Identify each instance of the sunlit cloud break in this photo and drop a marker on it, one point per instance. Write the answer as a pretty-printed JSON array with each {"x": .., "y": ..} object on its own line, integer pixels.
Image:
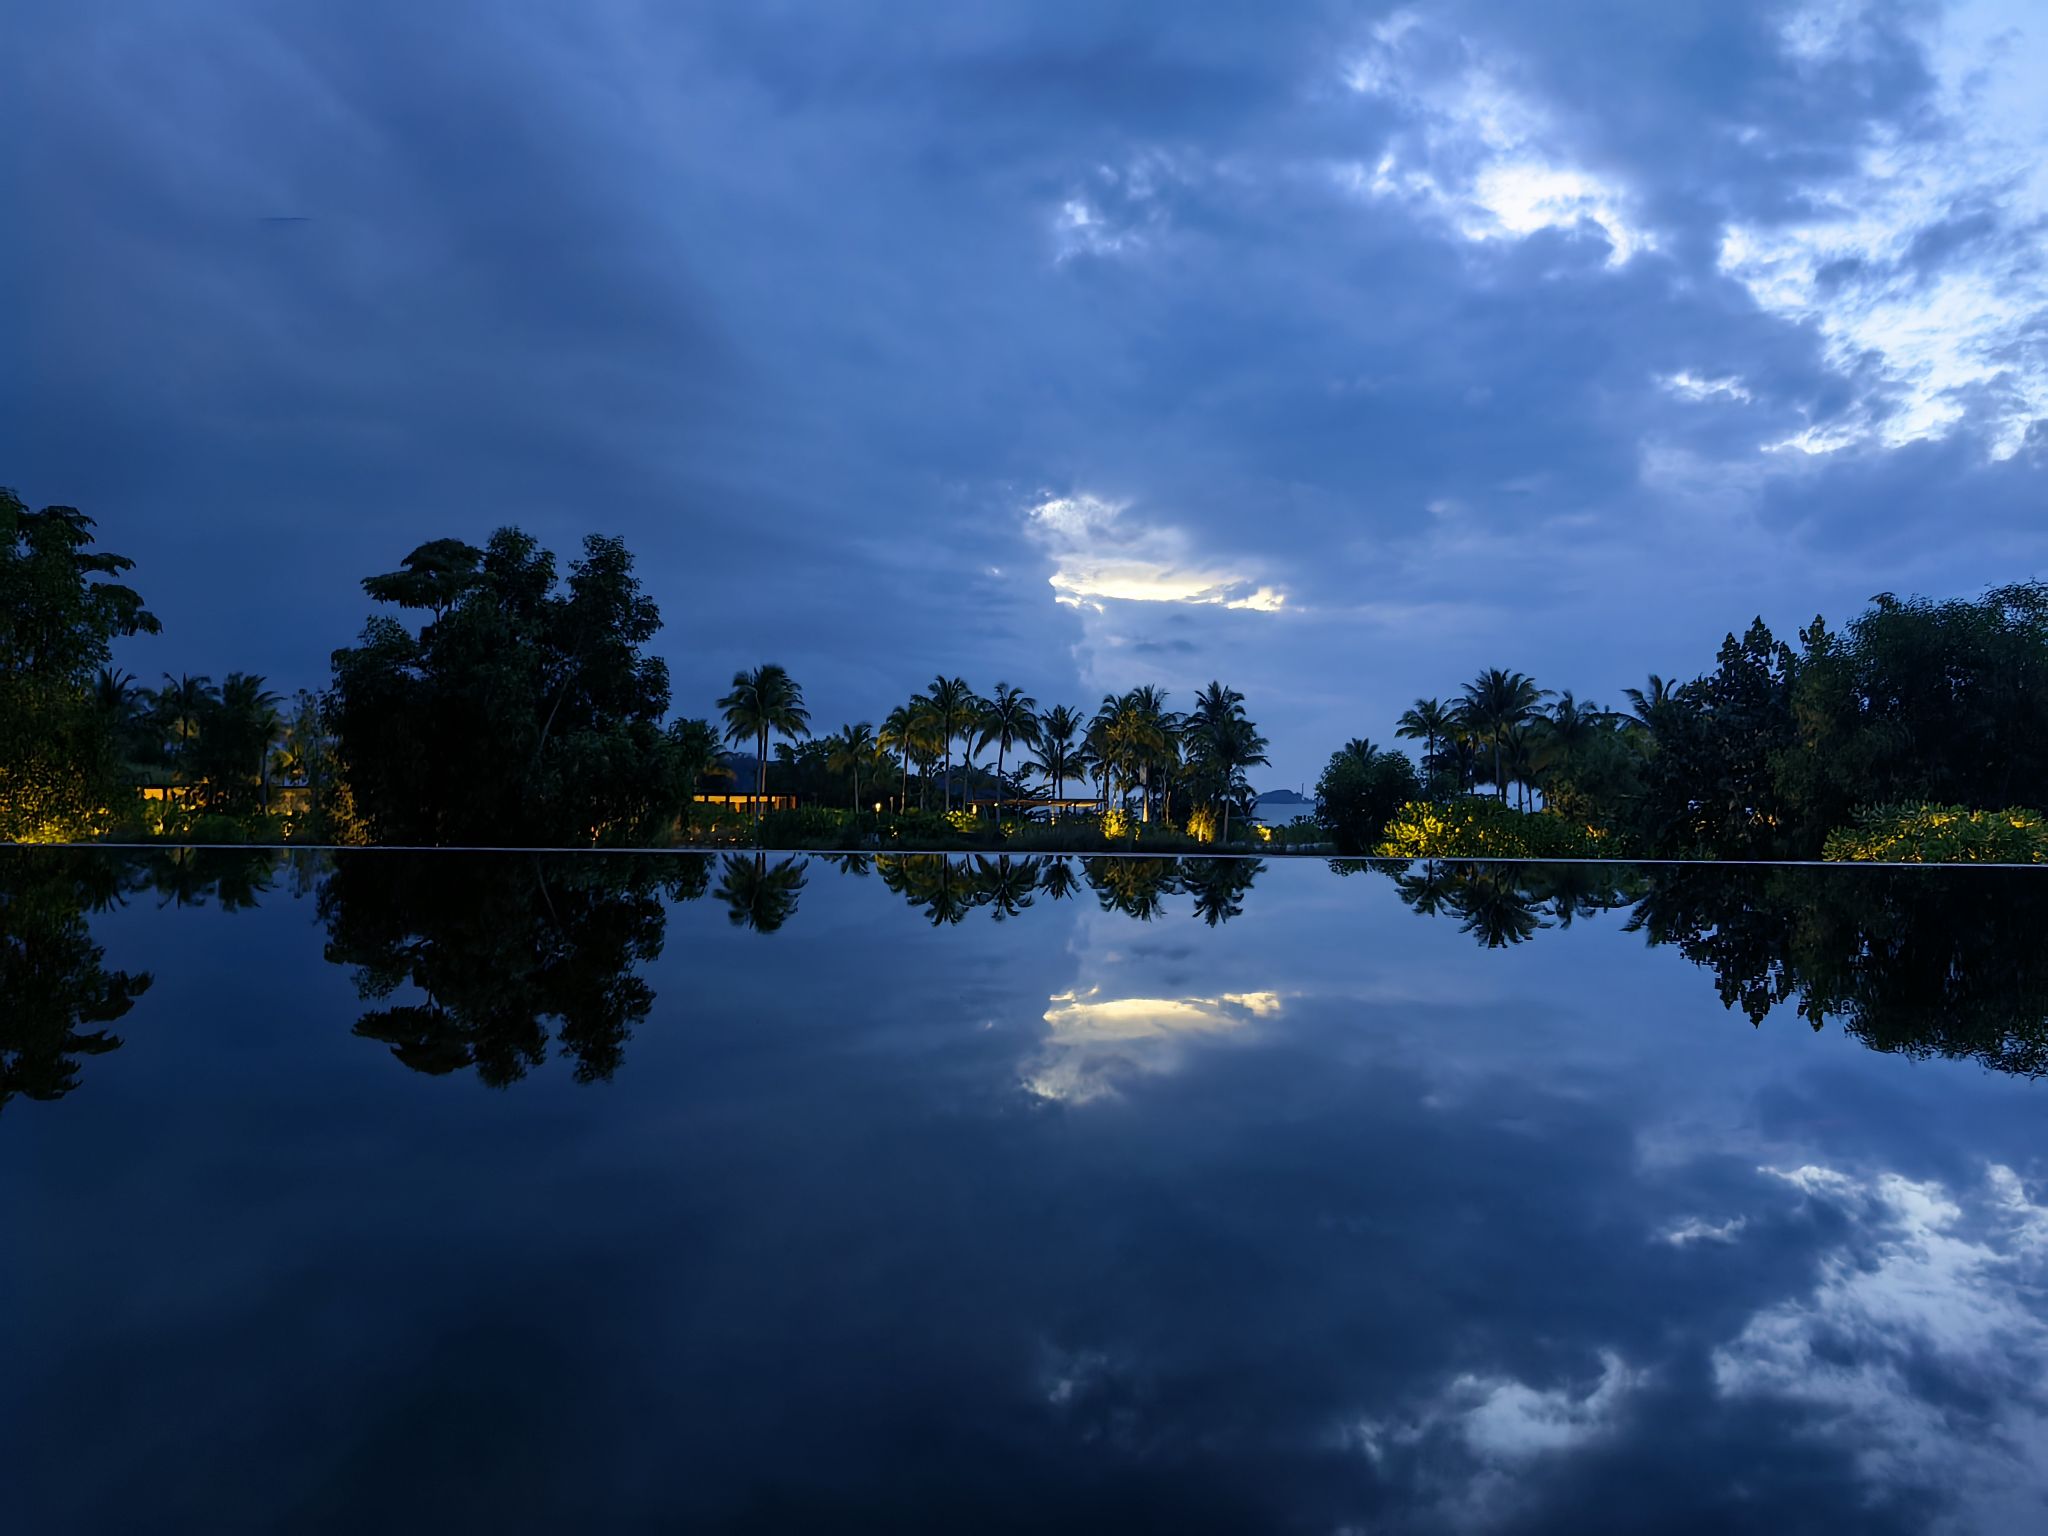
[
  {"x": 1479, "y": 156},
  {"x": 1100, "y": 556}
]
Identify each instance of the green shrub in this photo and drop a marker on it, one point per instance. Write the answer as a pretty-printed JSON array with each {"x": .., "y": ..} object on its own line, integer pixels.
[
  {"x": 1940, "y": 834},
  {"x": 1478, "y": 827}
]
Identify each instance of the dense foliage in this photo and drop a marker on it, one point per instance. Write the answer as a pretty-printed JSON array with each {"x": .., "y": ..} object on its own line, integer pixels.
[
  {"x": 1360, "y": 790},
  {"x": 60, "y": 612},
  {"x": 1941, "y": 834},
  {"x": 1474, "y": 827},
  {"x": 518, "y": 712}
]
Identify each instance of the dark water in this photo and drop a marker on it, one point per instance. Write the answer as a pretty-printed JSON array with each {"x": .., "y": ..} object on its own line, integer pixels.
[{"x": 496, "y": 1193}]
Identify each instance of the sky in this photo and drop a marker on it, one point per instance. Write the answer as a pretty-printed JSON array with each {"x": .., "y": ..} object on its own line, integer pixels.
[{"x": 1334, "y": 351}]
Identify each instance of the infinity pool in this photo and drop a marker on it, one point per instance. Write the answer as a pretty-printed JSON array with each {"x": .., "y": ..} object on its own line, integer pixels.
[{"x": 373, "y": 1192}]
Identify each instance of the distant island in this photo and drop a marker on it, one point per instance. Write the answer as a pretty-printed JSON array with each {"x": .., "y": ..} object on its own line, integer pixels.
[{"x": 1284, "y": 797}]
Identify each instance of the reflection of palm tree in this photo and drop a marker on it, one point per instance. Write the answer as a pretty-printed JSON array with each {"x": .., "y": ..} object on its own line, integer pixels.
[
  {"x": 1135, "y": 887},
  {"x": 760, "y": 895},
  {"x": 1219, "y": 885},
  {"x": 764, "y": 701},
  {"x": 1494, "y": 910},
  {"x": 1058, "y": 879},
  {"x": 1005, "y": 884}
]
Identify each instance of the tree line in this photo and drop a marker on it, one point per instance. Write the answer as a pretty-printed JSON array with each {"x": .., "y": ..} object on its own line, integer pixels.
[
  {"x": 495, "y": 698},
  {"x": 1915, "y": 702}
]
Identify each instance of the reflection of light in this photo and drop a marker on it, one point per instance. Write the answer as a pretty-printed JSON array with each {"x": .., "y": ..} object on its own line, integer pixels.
[
  {"x": 1135, "y": 1018},
  {"x": 1095, "y": 1039}
]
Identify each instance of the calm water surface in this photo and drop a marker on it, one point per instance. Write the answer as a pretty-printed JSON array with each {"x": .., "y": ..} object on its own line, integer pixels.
[{"x": 462, "y": 1192}]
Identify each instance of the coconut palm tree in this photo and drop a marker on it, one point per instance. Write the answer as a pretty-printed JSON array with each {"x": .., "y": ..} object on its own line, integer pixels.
[
  {"x": 249, "y": 712},
  {"x": 1149, "y": 727},
  {"x": 1646, "y": 704},
  {"x": 1010, "y": 720},
  {"x": 1427, "y": 721},
  {"x": 764, "y": 702},
  {"x": 1060, "y": 754},
  {"x": 898, "y": 735},
  {"x": 181, "y": 705},
  {"x": 846, "y": 751},
  {"x": 1496, "y": 703},
  {"x": 1221, "y": 744},
  {"x": 953, "y": 703}
]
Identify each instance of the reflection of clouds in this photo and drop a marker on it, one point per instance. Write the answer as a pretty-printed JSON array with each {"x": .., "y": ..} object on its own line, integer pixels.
[
  {"x": 1095, "y": 1039},
  {"x": 1497, "y": 1425},
  {"x": 1922, "y": 1337}
]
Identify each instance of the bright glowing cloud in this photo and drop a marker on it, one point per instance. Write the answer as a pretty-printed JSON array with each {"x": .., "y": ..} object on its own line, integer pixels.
[
  {"x": 1926, "y": 266},
  {"x": 1100, "y": 555},
  {"x": 1480, "y": 157}
]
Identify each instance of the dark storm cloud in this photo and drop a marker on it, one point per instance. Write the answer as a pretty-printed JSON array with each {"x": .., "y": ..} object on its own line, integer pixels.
[{"x": 815, "y": 305}]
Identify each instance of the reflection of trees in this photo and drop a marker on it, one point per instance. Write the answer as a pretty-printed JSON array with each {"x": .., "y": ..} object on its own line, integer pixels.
[
  {"x": 56, "y": 995},
  {"x": 1135, "y": 887},
  {"x": 499, "y": 946},
  {"x": 942, "y": 886},
  {"x": 1925, "y": 963},
  {"x": 949, "y": 887},
  {"x": 760, "y": 895},
  {"x": 238, "y": 878},
  {"x": 1219, "y": 885}
]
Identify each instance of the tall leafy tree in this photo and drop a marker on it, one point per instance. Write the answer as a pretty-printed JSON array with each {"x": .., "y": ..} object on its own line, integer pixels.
[
  {"x": 61, "y": 609},
  {"x": 522, "y": 710}
]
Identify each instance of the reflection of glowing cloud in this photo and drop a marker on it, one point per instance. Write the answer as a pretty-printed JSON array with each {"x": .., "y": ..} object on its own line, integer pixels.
[
  {"x": 1099, "y": 555},
  {"x": 1088, "y": 1015},
  {"x": 1095, "y": 1039}
]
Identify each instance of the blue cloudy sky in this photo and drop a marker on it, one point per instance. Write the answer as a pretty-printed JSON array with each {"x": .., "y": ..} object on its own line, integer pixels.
[{"x": 1333, "y": 350}]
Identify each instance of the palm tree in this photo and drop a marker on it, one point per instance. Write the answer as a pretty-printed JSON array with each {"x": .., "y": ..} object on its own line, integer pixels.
[
  {"x": 1496, "y": 702},
  {"x": 1009, "y": 720},
  {"x": 854, "y": 745},
  {"x": 1149, "y": 728},
  {"x": 181, "y": 705},
  {"x": 1427, "y": 721},
  {"x": 1645, "y": 705},
  {"x": 899, "y": 731},
  {"x": 250, "y": 712},
  {"x": 953, "y": 702},
  {"x": 1060, "y": 757},
  {"x": 1221, "y": 744},
  {"x": 764, "y": 701}
]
